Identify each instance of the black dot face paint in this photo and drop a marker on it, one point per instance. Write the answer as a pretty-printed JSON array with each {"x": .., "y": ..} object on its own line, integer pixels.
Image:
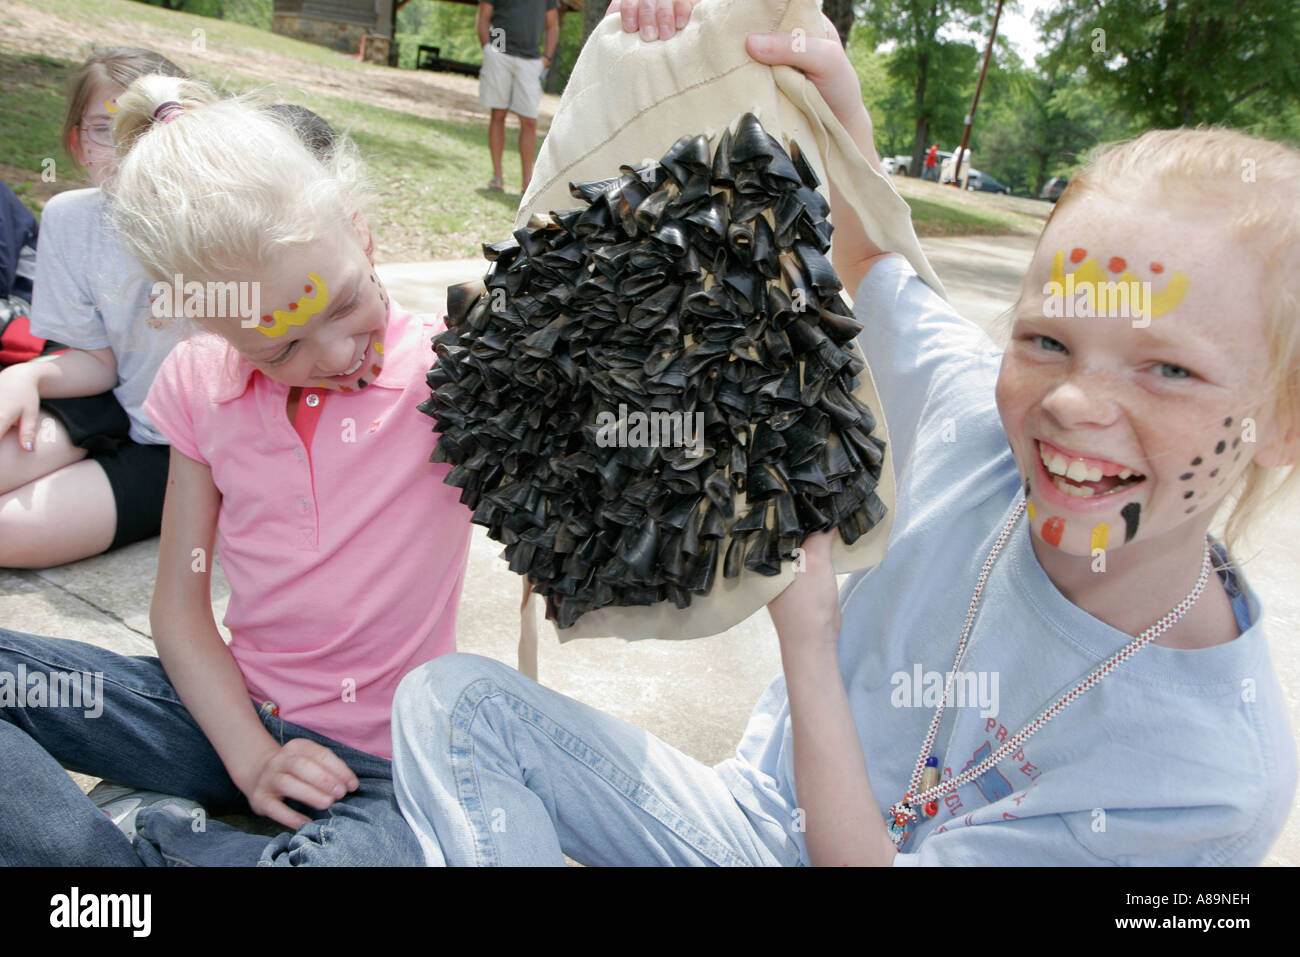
[
  {"x": 1186, "y": 475},
  {"x": 1188, "y": 494},
  {"x": 1218, "y": 449},
  {"x": 1227, "y": 423},
  {"x": 1197, "y": 460},
  {"x": 1130, "y": 512},
  {"x": 1213, "y": 472}
]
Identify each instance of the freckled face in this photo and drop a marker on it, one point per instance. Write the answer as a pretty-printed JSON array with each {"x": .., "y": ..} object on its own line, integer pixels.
[
  {"x": 1146, "y": 423},
  {"x": 340, "y": 345},
  {"x": 92, "y": 139}
]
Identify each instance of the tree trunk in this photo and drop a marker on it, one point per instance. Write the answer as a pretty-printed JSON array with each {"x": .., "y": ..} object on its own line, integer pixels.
[
  {"x": 552, "y": 84},
  {"x": 593, "y": 11},
  {"x": 920, "y": 142},
  {"x": 840, "y": 13}
]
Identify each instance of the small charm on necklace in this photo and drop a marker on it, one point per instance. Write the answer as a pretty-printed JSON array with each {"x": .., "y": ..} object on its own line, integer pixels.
[
  {"x": 930, "y": 776},
  {"x": 931, "y": 808}
]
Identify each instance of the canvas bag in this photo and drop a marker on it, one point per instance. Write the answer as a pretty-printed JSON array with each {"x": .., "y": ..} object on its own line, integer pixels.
[{"x": 627, "y": 101}]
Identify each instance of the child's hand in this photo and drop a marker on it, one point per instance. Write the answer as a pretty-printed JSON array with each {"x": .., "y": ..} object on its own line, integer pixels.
[
  {"x": 20, "y": 404},
  {"x": 808, "y": 611},
  {"x": 824, "y": 62},
  {"x": 304, "y": 771},
  {"x": 656, "y": 19}
]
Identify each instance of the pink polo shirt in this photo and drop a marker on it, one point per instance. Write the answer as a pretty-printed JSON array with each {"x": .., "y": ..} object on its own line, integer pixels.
[{"x": 345, "y": 553}]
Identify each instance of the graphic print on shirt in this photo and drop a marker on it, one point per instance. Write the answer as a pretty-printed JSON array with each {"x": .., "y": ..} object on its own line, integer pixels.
[{"x": 991, "y": 783}]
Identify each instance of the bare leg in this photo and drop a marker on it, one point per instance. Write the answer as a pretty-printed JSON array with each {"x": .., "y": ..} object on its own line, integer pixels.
[
  {"x": 60, "y": 517},
  {"x": 527, "y": 147},
  {"x": 53, "y": 451},
  {"x": 497, "y": 140}
]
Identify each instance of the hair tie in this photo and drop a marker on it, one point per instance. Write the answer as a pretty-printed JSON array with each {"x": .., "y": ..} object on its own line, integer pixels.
[{"x": 168, "y": 111}]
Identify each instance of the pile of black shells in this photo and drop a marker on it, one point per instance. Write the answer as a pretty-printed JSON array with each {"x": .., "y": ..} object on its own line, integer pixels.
[{"x": 692, "y": 291}]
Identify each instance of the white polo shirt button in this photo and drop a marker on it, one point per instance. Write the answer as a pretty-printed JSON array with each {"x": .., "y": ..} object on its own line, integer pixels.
[
  {"x": 303, "y": 504},
  {"x": 313, "y": 399}
]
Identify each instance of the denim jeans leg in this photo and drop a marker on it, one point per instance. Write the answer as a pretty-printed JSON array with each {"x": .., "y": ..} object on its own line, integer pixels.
[
  {"x": 364, "y": 828},
  {"x": 492, "y": 768},
  {"x": 130, "y": 728}
]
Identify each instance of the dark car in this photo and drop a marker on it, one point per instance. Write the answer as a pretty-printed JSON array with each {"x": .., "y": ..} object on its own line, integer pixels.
[
  {"x": 984, "y": 183},
  {"x": 1053, "y": 188}
]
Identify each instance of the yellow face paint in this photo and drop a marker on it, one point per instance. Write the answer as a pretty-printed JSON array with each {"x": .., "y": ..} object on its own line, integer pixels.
[
  {"x": 315, "y": 298},
  {"x": 1125, "y": 289},
  {"x": 1029, "y": 507},
  {"x": 1100, "y": 535},
  {"x": 110, "y": 106}
]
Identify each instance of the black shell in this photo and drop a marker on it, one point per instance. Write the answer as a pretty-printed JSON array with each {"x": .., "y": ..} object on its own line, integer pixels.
[{"x": 660, "y": 381}]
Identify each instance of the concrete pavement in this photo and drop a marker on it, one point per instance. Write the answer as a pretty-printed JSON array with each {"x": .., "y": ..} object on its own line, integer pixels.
[{"x": 696, "y": 695}]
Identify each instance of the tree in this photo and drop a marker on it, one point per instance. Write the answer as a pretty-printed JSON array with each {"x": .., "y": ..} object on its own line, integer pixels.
[
  {"x": 938, "y": 70},
  {"x": 593, "y": 11},
  {"x": 1179, "y": 63},
  {"x": 840, "y": 13}
]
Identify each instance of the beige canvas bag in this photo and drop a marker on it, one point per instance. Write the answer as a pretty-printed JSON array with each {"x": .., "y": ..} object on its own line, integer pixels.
[{"x": 627, "y": 101}]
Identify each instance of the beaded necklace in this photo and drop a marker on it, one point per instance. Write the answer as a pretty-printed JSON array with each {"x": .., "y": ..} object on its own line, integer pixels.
[{"x": 925, "y": 788}]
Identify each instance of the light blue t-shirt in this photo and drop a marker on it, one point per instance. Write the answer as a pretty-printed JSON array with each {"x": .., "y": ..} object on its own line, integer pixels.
[
  {"x": 1176, "y": 758},
  {"x": 91, "y": 293}
]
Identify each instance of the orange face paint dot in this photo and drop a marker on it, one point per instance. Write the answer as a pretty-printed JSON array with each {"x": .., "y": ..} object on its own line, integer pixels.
[
  {"x": 306, "y": 288},
  {"x": 293, "y": 306},
  {"x": 1116, "y": 264},
  {"x": 1157, "y": 268},
  {"x": 1077, "y": 254},
  {"x": 1052, "y": 529}
]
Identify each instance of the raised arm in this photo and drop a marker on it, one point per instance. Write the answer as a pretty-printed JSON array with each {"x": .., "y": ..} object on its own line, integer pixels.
[{"x": 844, "y": 825}]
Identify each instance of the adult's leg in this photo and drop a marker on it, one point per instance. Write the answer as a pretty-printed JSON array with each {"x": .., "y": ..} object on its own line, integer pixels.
[
  {"x": 61, "y": 517},
  {"x": 101, "y": 714},
  {"x": 364, "y": 828},
  {"x": 492, "y": 768},
  {"x": 497, "y": 141},
  {"x": 527, "y": 147}
]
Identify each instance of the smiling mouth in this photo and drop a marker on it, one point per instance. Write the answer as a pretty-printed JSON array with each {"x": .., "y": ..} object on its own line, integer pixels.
[{"x": 1086, "y": 478}]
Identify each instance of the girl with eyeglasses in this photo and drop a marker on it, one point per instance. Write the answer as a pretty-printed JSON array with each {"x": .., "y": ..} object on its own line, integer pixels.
[{"x": 82, "y": 469}]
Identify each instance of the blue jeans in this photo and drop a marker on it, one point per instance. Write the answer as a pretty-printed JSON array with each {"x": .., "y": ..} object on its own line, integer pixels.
[
  {"x": 142, "y": 736},
  {"x": 492, "y": 768}
]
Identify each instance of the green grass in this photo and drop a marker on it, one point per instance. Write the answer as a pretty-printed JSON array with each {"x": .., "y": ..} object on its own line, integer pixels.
[
  {"x": 31, "y": 111},
  {"x": 943, "y": 219},
  {"x": 428, "y": 174}
]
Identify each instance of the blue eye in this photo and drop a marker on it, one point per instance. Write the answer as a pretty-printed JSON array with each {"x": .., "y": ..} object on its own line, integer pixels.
[
  {"x": 1049, "y": 344},
  {"x": 1170, "y": 371}
]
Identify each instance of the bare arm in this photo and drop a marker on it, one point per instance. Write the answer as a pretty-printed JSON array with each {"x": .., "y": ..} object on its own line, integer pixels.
[
  {"x": 204, "y": 672},
  {"x": 76, "y": 372},
  {"x": 552, "y": 35},
  {"x": 484, "y": 24},
  {"x": 844, "y": 823}
]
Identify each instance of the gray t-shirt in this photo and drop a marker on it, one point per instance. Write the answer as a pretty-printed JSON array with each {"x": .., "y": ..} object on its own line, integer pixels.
[
  {"x": 1176, "y": 758},
  {"x": 90, "y": 293},
  {"x": 524, "y": 23}
]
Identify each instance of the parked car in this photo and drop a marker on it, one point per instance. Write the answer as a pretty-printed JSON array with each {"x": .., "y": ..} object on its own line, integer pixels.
[
  {"x": 888, "y": 164},
  {"x": 979, "y": 181},
  {"x": 901, "y": 162},
  {"x": 1053, "y": 188}
]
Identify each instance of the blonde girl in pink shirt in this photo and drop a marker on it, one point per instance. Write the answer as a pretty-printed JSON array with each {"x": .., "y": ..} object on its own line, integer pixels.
[{"x": 299, "y": 457}]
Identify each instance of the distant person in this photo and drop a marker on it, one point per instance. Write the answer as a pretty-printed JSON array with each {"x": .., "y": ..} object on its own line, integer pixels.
[
  {"x": 931, "y": 171},
  {"x": 82, "y": 469},
  {"x": 510, "y": 33}
]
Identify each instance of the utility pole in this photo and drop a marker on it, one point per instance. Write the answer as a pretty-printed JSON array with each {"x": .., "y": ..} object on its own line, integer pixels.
[{"x": 970, "y": 117}]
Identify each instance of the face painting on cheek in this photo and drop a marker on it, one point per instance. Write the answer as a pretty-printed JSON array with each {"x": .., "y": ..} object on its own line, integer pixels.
[
  {"x": 1217, "y": 460},
  {"x": 315, "y": 298},
  {"x": 110, "y": 106}
]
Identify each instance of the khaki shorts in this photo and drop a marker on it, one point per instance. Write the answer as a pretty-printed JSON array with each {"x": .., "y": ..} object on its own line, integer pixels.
[{"x": 509, "y": 82}]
